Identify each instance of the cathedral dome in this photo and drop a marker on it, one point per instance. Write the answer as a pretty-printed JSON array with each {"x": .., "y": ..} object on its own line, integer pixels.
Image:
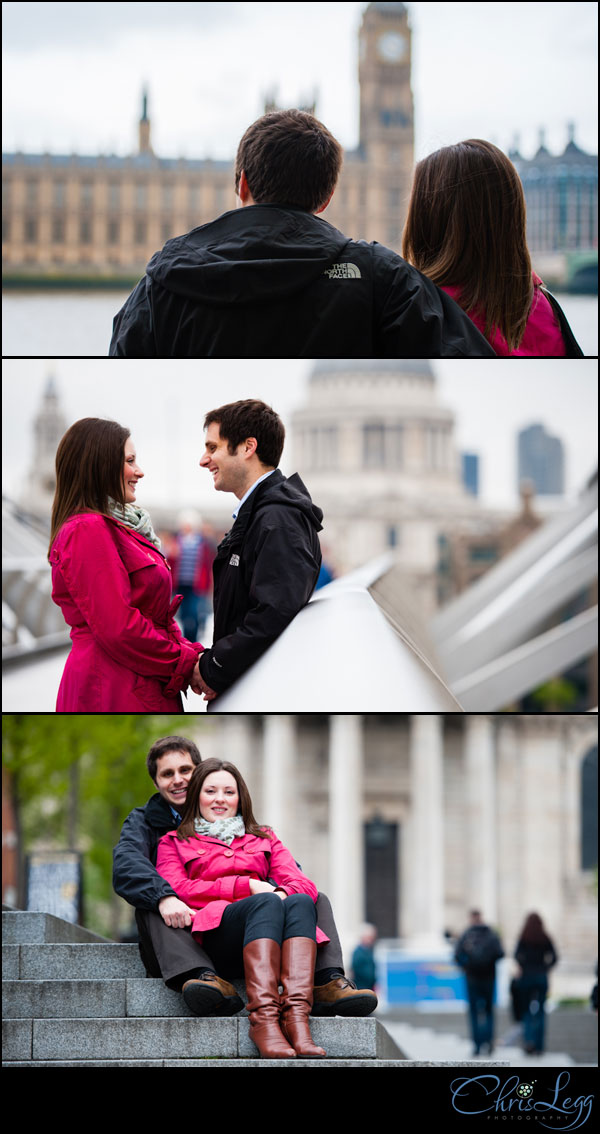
[{"x": 414, "y": 367}]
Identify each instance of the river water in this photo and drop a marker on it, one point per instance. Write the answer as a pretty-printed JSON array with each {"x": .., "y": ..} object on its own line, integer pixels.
[{"x": 70, "y": 324}]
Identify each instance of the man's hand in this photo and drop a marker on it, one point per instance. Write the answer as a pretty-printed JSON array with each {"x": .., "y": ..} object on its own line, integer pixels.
[
  {"x": 174, "y": 912},
  {"x": 199, "y": 685}
]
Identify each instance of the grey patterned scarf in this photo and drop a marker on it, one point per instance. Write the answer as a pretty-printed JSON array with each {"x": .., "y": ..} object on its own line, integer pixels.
[
  {"x": 226, "y": 830},
  {"x": 133, "y": 516}
]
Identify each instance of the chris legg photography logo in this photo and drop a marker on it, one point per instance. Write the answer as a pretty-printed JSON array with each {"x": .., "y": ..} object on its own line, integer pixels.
[{"x": 553, "y": 1106}]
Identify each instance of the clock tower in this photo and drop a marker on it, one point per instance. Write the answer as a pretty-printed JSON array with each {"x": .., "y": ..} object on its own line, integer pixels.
[{"x": 386, "y": 116}]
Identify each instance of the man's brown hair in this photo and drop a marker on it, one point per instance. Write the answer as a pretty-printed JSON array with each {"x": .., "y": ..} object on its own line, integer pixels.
[
  {"x": 250, "y": 418},
  {"x": 466, "y": 228},
  {"x": 289, "y": 158}
]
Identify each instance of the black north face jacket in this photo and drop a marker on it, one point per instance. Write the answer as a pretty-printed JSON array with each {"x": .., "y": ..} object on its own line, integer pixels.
[
  {"x": 271, "y": 282},
  {"x": 265, "y": 571},
  {"x": 135, "y": 877}
]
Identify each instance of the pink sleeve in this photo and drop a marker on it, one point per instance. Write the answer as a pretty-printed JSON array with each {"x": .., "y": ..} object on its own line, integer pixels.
[
  {"x": 284, "y": 872},
  {"x": 99, "y": 585},
  {"x": 193, "y": 891}
]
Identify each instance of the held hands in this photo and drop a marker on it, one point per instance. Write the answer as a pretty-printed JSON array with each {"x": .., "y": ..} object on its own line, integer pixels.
[
  {"x": 258, "y": 887},
  {"x": 174, "y": 912},
  {"x": 199, "y": 686}
]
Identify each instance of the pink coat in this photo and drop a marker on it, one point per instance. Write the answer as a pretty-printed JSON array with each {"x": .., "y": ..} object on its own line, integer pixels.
[
  {"x": 208, "y": 875},
  {"x": 543, "y": 336},
  {"x": 114, "y": 589}
]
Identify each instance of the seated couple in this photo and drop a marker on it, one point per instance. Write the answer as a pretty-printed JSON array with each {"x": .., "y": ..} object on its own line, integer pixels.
[{"x": 217, "y": 893}]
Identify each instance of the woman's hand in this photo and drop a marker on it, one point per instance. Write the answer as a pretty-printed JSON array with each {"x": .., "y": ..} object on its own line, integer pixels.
[{"x": 258, "y": 887}]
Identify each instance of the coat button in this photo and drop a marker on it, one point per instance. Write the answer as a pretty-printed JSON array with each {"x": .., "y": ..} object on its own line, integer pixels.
[
  {"x": 228, "y": 853},
  {"x": 202, "y": 852}
]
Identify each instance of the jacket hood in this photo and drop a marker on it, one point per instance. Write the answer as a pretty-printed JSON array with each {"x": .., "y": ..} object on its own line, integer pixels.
[
  {"x": 248, "y": 256},
  {"x": 289, "y": 491}
]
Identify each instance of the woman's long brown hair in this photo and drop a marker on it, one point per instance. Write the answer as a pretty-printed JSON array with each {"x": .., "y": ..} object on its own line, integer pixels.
[
  {"x": 89, "y": 470},
  {"x": 466, "y": 228},
  {"x": 191, "y": 810}
]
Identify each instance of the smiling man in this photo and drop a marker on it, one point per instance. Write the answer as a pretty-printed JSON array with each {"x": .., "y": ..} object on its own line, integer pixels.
[
  {"x": 267, "y": 566},
  {"x": 167, "y": 947}
]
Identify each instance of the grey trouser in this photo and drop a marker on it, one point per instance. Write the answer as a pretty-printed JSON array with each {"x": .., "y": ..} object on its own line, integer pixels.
[{"x": 173, "y": 953}]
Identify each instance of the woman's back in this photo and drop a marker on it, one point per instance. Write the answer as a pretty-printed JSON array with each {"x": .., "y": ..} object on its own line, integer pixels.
[{"x": 542, "y": 338}]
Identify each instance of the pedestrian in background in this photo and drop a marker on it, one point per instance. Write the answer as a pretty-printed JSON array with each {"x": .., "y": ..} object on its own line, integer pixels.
[
  {"x": 477, "y": 952},
  {"x": 363, "y": 957},
  {"x": 535, "y": 954},
  {"x": 191, "y": 564}
]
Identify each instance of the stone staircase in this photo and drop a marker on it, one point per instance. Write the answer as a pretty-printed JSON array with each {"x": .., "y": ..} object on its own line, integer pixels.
[{"x": 73, "y": 999}]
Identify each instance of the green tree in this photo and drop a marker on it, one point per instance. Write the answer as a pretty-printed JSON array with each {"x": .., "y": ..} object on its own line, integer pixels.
[{"x": 73, "y": 779}]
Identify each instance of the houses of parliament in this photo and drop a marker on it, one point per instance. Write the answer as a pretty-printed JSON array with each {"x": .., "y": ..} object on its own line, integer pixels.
[
  {"x": 106, "y": 215},
  {"x": 103, "y": 217}
]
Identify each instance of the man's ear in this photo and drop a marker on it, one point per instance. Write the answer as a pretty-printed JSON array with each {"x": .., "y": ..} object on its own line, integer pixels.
[
  {"x": 250, "y": 446},
  {"x": 323, "y": 207},
  {"x": 243, "y": 191}
]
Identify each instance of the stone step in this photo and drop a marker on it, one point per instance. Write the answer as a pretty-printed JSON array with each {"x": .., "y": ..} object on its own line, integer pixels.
[
  {"x": 179, "y": 1038},
  {"x": 212, "y": 1063},
  {"x": 28, "y": 927},
  {"x": 103, "y": 961}
]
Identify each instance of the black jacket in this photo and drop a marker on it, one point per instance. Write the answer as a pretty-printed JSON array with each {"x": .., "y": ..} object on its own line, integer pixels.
[
  {"x": 265, "y": 571},
  {"x": 134, "y": 858},
  {"x": 271, "y": 282},
  {"x": 478, "y": 950}
]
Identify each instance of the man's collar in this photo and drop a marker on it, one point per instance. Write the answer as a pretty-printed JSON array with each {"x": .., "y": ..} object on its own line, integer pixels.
[{"x": 250, "y": 490}]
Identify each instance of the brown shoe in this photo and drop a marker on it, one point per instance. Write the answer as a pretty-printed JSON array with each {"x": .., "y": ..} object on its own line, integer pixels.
[
  {"x": 341, "y": 997},
  {"x": 211, "y": 996},
  {"x": 262, "y": 967},
  {"x": 298, "y": 956}
]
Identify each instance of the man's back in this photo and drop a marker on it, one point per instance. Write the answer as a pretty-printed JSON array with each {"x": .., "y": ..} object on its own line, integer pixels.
[{"x": 271, "y": 282}]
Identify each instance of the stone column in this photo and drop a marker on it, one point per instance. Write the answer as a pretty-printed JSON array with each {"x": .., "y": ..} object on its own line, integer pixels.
[
  {"x": 346, "y": 840},
  {"x": 236, "y": 745},
  {"x": 480, "y": 813},
  {"x": 279, "y": 776},
  {"x": 543, "y": 866},
  {"x": 426, "y": 920}
]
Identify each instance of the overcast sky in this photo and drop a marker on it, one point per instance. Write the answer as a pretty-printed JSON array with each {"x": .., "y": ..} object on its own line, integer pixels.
[
  {"x": 165, "y": 414},
  {"x": 73, "y": 73}
]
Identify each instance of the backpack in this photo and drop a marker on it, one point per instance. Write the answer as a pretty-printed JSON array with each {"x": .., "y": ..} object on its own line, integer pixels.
[{"x": 478, "y": 950}]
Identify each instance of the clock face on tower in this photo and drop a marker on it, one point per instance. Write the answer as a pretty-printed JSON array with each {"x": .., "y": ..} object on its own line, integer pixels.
[{"x": 391, "y": 46}]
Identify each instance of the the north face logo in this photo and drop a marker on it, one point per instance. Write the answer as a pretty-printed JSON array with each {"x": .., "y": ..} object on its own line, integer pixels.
[
  {"x": 343, "y": 272},
  {"x": 234, "y": 561}
]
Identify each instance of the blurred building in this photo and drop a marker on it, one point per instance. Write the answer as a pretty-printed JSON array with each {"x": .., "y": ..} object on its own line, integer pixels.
[
  {"x": 377, "y": 448},
  {"x": 106, "y": 215},
  {"x": 541, "y": 460},
  {"x": 408, "y": 821},
  {"x": 466, "y": 553},
  {"x": 470, "y": 472},
  {"x": 49, "y": 426},
  {"x": 561, "y": 192}
]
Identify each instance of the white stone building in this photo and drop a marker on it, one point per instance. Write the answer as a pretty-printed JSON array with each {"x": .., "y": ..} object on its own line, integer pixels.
[
  {"x": 377, "y": 447},
  {"x": 409, "y": 821}
]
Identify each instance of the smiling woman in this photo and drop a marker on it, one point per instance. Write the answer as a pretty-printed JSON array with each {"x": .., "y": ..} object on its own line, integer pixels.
[{"x": 112, "y": 582}]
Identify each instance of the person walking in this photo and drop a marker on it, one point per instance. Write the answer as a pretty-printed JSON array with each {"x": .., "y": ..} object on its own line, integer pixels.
[
  {"x": 477, "y": 951},
  {"x": 535, "y": 954}
]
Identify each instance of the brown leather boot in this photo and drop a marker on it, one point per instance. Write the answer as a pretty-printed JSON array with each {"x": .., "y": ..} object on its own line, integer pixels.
[
  {"x": 298, "y": 955},
  {"x": 262, "y": 965}
]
